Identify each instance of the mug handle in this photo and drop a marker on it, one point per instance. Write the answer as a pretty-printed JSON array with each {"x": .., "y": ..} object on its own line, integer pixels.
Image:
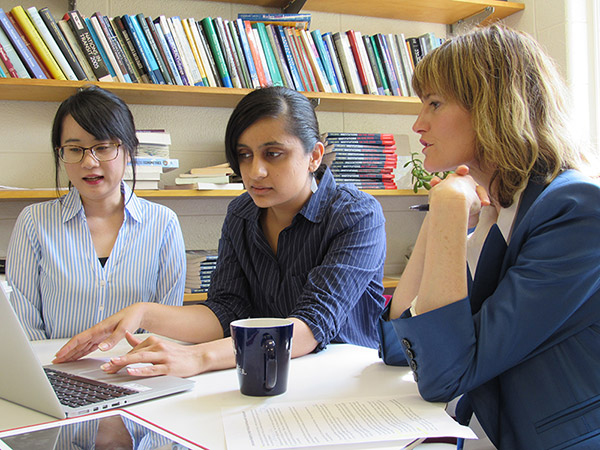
[{"x": 270, "y": 356}]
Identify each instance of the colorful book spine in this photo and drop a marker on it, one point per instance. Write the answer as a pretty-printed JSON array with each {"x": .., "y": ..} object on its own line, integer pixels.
[
  {"x": 308, "y": 67},
  {"x": 51, "y": 43},
  {"x": 383, "y": 86},
  {"x": 69, "y": 35},
  {"x": 37, "y": 42},
  {"x": 243, "y": 38},
  {"x": 186, "y": 51},
  {"x": 280, "y": 57},
  {"x": 392, "y": 50},
  {"x": 315, "y": 63},
  {"x": 184, "y": 62},
  {"x": 166, "y": 31},
  {"x": 168, "y": 53},
  {"x": 213, "y": 41},
  {"x": 260, "y": 72},
  {"x": 289, "y": 56},
  {"x": 154, "y": 53},
  {"x": 7, "y": 66},
  {"x": 325, "y": 60},
  {"x": 194, "y": 49},
  {"x": 108, "y": 50},
  {"x": 129, "y": 47},
  {"x": 211, "y": 61},
  {"x": 62, "y": 43},
  {"x": 163, "y": 50},
  {"x": 211, "y": 79},
  {"x": 379, "y": 42},
  {"x": 407, "y": 66},
  {"x": 367, "y": 65},
  {"x": 12, "y": 56},
  {"x": 269, "y": 55},
  {"x": 88, "y": 46},
  {"x": 335, "y": 60},
  {"x": 348, "y": 64},
  {"x": 143, "y": 49},
  {"x": 228, "y": 52},
  {"x": 261, "y": 55},
  {"x": 120, "y": 48},
  {"x": 100, "y": 48},
  {"x": 298, "y": 58}
]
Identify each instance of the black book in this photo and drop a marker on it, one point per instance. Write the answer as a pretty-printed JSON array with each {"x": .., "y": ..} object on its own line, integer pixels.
[{"x": 120, "y": 28}]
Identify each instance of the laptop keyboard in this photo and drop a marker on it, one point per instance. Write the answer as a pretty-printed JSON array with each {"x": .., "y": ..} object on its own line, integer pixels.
[{"x": 75, "y": 391}]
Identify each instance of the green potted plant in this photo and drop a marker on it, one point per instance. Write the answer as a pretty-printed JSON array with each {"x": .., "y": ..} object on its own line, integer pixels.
[{"x": 420, "y": 177}]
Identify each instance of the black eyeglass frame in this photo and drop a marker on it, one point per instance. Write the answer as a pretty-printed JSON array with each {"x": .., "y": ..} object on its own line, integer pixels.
[{"x": 61, "y": 151}]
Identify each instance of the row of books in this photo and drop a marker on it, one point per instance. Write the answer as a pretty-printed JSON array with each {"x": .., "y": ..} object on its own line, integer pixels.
[
  {"x": 251, "y": 51},
  {"x": 200, "y": 264},
  {"x": 220, "y": 176},
  {"x": 366, "y": 160}
]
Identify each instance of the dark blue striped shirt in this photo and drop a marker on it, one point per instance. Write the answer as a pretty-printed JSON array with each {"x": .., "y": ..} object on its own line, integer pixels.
[{"x": 328, "y": 269}]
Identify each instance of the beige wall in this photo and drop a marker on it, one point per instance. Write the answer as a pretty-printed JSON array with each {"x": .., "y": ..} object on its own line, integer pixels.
[{"x": 197, "y": 133}]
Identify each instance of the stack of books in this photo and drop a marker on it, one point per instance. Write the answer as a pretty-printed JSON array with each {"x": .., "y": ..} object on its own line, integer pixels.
[
  {"x": 152, "y": 160},
  {"x": 366, "y": 160},
  {"x": 254, "y": 50},
  {"x": 200, "y": 264},
  {"x": 220, "y": 176}
]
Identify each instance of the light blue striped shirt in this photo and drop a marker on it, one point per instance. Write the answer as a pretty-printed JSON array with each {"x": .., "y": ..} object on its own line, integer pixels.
[{"x": 59, "y": 286}]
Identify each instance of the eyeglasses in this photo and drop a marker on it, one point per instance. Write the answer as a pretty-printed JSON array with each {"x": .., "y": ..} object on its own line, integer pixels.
[{"x": 73, "y": 154}]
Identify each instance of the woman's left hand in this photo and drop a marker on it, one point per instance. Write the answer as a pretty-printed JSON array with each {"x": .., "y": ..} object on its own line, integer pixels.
[{"x": 155, "y": 356}]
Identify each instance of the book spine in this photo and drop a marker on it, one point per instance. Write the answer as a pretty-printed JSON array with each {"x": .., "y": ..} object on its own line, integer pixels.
[
  {"x": 209, "y": 56},
  {"x": 364, "y": 58},
  {"x": 243, "y": 37},
  {"x": 143, "y": 49},
  {"x": 129, "y": 47},
  {"x": 260, "y": 71},
  {"x": 213, "y": 42},
  {"x": 37, "y": 42},
  {"x": 118, "y": 67},
  {"x": 335, "y": 59},
  {"x": 263, "y": 17},
  {"x": 194, "y": 51},
  {"x": 51, "y": 43},
  {"x": 280, "y": 57},
  {"x": 380, "y": 43},
  {"x": 321, "y": 79},
  {"x": 67, "y": 32},
  {"x": 407, "y": 65},
  {"x": 186, "y": 51},
  {"x": 7, "y": 66},
  {"x": 415, "y": 49},
  {"x": 394, "y": 55},
  {"x": 62, "y": 43},
  {"x": 12, "y": 56},
  {"x": 210, "y": 75},
  {"x": 269, "y": 55},
  {"x": 351, "y": 36},
  {"x": 121, "y": 48},
  {"x": 84, "y": 37},
  {"x": 154, "y": 53},
  {"x": 227, "y": 52},
  {"x": 240, "y": 54},
  {"x": 287, "y": 51},
  {"x": 298, "y": 59},
  {"x": 326, "y": 60},
  {"x": 184, "y": 62},
  {"x": 375, "y": 62},
  {"x": 347, "y": 63},
  {"x": 161, "y": 23},
  {"x": 167, "y": 53},
  {"x": 261, "y": 55},
  {"x": 100, "y": 47},
  {"x": 305, "y": 60},
  {"x": 163, "y": 51},
  {"x": 167, "y": 163}
]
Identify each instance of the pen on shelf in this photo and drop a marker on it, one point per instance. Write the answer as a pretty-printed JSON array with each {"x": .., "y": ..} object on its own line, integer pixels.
[{"x": 422, "y": 207}]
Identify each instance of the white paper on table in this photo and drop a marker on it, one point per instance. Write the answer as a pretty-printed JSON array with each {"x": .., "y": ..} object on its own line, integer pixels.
[{"x": 349, "y": 421}]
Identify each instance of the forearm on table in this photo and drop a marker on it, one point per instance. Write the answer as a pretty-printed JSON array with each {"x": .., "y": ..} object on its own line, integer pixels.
[
  {"x": 304, "y": 341},
  {"x": 444, "y": 279},
  {"x": 193, "y": 323}
]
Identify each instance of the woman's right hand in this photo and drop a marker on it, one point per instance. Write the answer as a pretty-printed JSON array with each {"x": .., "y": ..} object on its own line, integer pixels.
[{"x": 104, "y": 335}]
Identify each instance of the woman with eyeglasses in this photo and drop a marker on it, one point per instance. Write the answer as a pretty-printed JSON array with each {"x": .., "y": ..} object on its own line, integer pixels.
[{"x": 78, "y": 259}]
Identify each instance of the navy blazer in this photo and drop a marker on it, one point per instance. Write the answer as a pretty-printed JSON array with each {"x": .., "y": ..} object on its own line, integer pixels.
[{"x": 524, "y": 348}]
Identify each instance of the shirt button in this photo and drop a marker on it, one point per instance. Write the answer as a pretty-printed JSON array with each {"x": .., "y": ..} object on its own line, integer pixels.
[
  {"x": 415, "y": 377},
  {"x": 413, "y": 365},
  {"x": 102, "y": 283},
  {"x": 406, "y": 343},
  {"x": 409, "y": 353}
]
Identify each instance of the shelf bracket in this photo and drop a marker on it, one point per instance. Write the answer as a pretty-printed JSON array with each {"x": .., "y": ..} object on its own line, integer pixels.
[
  {"x": 315, "y": 102},
  {"x": 294, "y": 6},
  {"x": 464, "y": 25}
]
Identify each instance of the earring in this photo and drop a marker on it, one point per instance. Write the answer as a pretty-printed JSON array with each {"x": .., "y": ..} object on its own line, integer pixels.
[{"x": 313, "y": 184}]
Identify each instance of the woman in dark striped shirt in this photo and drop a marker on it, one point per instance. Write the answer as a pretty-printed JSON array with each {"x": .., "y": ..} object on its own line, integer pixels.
[{"x": 295, "y": 245}]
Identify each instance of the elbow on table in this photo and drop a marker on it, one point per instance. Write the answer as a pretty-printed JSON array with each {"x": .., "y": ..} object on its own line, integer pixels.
[{"x": 435, "y": 392}]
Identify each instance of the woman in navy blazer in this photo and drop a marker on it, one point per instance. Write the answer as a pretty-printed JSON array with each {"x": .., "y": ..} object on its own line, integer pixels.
[{"x": 515, "y": 330}]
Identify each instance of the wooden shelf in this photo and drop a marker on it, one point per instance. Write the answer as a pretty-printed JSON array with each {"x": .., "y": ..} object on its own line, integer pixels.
[
  {"x": 388, "y": 282},
  {"x": 46, "y": 194},
  {"x": 152, "y": 94},
  {"x": 436, "y": 11}
]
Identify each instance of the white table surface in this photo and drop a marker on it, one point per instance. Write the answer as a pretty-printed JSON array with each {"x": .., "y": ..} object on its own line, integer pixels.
[{"x": 340, "y": 371}]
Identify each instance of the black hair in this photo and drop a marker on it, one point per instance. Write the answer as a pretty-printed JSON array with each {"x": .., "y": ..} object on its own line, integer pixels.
[
  {"x": 102, "y": 114},
  {"x": 273, "y": 102}
]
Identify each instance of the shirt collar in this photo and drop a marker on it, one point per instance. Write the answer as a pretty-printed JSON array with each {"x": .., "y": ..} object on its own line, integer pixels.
[
  {"x": 506, "y": 216},
  {"x": 72, "y": 205}
]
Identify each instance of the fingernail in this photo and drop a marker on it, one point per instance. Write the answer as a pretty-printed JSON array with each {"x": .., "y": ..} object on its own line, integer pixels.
[
  {"x": 105, "y": 366},
  {"x": 115, "y": 360},
  {"x": 103, "y": 346}
]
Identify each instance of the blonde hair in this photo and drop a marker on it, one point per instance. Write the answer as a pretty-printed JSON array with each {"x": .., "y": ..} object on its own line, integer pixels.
[{"x": 516, "y": 99}]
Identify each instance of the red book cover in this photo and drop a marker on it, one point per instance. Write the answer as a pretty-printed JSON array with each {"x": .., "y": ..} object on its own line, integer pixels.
[
  {"x": 29, "y": 46},
  {"x": 356, "y": 53},
  {"x": 9, "y": 65},
  {"x": 255, "y": 56}
]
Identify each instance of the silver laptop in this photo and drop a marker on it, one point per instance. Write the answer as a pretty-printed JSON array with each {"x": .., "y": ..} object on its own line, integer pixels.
[{"x": 24, "y": 381}]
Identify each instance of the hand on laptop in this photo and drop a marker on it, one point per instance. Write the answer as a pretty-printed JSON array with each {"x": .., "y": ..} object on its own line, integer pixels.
[{"x": 104, "y": 335}]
